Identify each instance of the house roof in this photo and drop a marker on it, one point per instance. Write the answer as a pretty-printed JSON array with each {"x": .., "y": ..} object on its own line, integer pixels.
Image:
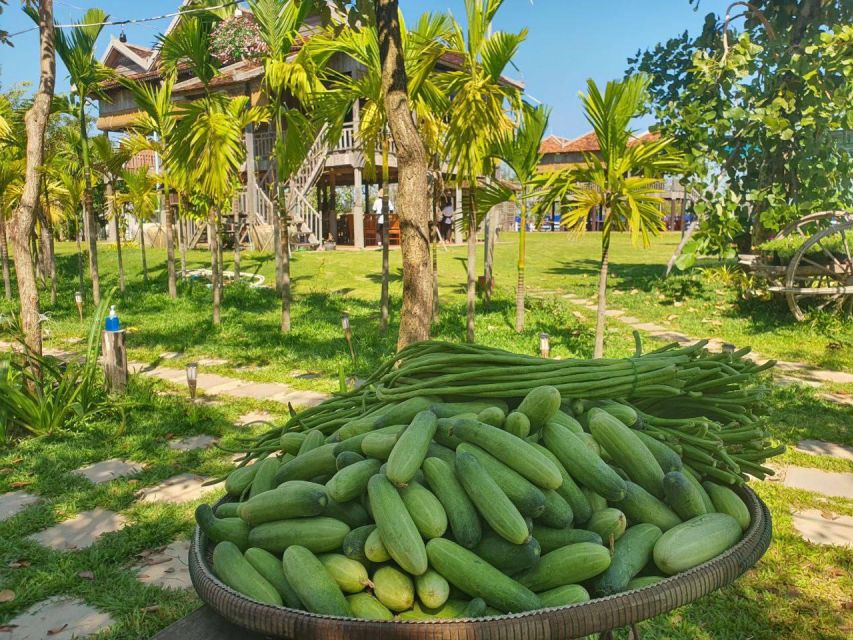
[{"x": 588, "y": 142}]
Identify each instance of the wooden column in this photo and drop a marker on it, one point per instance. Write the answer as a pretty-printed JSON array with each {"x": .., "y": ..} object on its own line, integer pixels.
[
  {"x": 457, "y": 216},
  {"x": 251, "y": 177},
  {"x": 358, "y": 209},
  {"x": 115, "y": 360},
  {"x": 332, "y": 202}
]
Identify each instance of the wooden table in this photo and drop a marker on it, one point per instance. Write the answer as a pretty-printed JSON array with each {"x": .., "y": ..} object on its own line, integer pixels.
[{"x": 205, "y": 624}]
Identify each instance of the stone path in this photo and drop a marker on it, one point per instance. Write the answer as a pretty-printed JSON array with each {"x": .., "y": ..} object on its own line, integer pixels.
[
  {"x": 828, "y": 483},
  {"x": 821, "y": 527},
  {"x": 193, "y": 443},
  {"x": 80, "y": 531},
  {"x": 185, "y": 487},
  {"x": 57, "y": 618},
  {"x": 819, "y": 447},
  {"x": 14, "y": 502},
  {"x": 165, "y": 568},
  {"x": 108, "y": 470}
]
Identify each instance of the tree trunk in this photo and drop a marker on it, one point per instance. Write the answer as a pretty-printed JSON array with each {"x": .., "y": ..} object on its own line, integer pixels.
[
  {"x": 182, "y": 240},
  {"x": 436, "y": 230},
  {"x": 602, "y": 297},
  {"x": 89, "y": 208},
  {"x": 80, "y": 278},
  {"x": 213, "y": 245},
  {"x": 413, "y": 192},
  {"x": 522, "y": 259},
  {"x": 144, "y": 258},
  {"x": 116, "y": 215},
  {"x": 4, "y": 257},
  {"x": 220, "y": 276},
  {"x": 47, "y": 248},
  {"x": 685, "y": 238},
  {"x": 283, "y": 250},
  {"x": 472, "y": 263},
  {"x": 384, "y": 302},
  {"x": 236, "y": 245},
  {"x": 488, "y": 255},
  {"x": 170, "y": 245},
  {"x": 36, "y": 123}
]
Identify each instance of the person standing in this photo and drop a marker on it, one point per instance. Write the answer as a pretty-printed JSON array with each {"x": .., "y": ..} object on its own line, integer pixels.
[
  {"x": 380, "y": 215},
  {"x": 447, "y": 219}
]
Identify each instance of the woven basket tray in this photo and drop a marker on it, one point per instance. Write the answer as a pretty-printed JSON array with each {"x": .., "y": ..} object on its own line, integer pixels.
[{"x": 560, "y": 623}]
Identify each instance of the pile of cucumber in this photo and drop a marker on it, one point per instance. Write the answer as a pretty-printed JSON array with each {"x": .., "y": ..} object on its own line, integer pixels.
[{"x": 431, "y": 505}]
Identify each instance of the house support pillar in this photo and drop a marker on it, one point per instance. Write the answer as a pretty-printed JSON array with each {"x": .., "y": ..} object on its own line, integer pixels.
[
  {"x": 251, "y": 177},
  {"x": 331, "y": 203},
  {"x": 358, "y": 209},
  {"x": 457, "y": 216}
]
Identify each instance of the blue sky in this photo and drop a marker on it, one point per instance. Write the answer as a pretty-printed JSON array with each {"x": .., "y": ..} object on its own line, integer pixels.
[{"x": 568, "y": 41}]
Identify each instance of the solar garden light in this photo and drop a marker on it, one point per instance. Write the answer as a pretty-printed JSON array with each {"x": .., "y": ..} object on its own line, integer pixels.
[
  {"x": 347, "y": 333},
  {"x": 544, "y": 345},
  {"x": 192, "y": 378},
  {"x": 78, "y": 298}
]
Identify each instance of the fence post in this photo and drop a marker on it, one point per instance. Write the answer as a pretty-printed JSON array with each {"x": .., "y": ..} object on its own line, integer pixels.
[{"x": 115, "y": 360}]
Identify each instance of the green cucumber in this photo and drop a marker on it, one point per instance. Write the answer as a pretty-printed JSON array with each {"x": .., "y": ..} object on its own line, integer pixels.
[
  {"x": 540, "y": 405},
  {"x": 514, "y": 452},
  {"x": 240, "y": 479},
  {"x": 432, "y": 589},
  {"x": 642, "y": 581},
  {"x": 564, "y": 595},
  {"x": 493, "y": 416},
  {"x": 509, "y": 558},
  {"x": 527, "y": 497},
  {"x": 668, "y": 459},
  {"x": 352, "y": 513},
  {"x": 631, "y": 553},
  {"x": 351, "y": 481},
  {"x": 490, "y": 500},
  {"x": 625, "y": 414},
  {"x": 392, "y": 414},
  {"x": 443, "y": 435},
  {"x": 581, "y": 463},
  {"x": 608, "y": 523},
  {"x": 291, "y": 441},
  {"x": 461, "y": 512},
  {"x": 316, "y": 462},
  {"x": 270, "y": 567},
  {"x": 558, "y": 512},
  {"x": 641, "y": 506},
  {"x": 473, "y": 575},
  {"x": 596, "y": 502},
  {"x": 436, "y": 450},
  {"x": 453, "y": 409},
  {"x": 567, "y": 565},
  {"x": 233, "y": 530},
  {"x": 517, "y": 424},
  {"x": 346, "y": 458},
  {"x": 366, "y": 607},
  {"x": 235, "y": 571},
  {"x": 228, "y": 510},
  {"x": 694, "y": 479},
  {"x": 550, "y": 539},
  {"x": 426, "y": 510},
  {"x": 563, "y": 418},
  {"x": 396, "y": 527},
  {"x": 317, "y": 590},
  {"x": 571, "y": 492},
  {"x": 409, "y": 452},
  {"x": 727, "y": 501},
  {"x": 696, "y": 541},
  {"x": 349, "y": 574},
  {"x": 292, "y": 499},
  {"x": 313, "y": 439},
  {"x": 379, "y": 445},
  {"x": 317, "y": 534},
  {"x": 354, "y": 542},
  {"x": 476, "y": 608},
  {"x": 682, "y": 495},
  {"x": 393, "y": 588},
  {"x": 453, "y": 608},
  {"x": 354, "y": 444},
  {"x": 374, "y": 548},
  {"x": 627, "y": 450},
  {"x": 265, "y": 477}
]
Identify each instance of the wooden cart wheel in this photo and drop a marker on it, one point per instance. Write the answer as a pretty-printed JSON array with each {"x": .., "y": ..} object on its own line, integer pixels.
[
  {"x": 820, "y": 275},
  {"x": 815, "y": 222}
]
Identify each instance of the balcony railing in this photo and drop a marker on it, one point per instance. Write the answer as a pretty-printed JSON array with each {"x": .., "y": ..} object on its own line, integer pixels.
[{"x": 265, "y": 143}]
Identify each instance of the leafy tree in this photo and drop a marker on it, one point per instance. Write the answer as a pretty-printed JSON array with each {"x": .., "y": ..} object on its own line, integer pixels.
[
  {"x": 761, "y": 112},
  {"x": 108, "y": 162},
  {"x": 518, "y": 149},
  {"x": 76, "y": 48},
  {"x": 476, "y": 115},
  {"x": 140, "y": 192},
  {"x": 619, "y": 180}
]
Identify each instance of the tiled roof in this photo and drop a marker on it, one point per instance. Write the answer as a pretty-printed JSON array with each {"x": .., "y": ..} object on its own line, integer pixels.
[{"x": 587, "y": 142}]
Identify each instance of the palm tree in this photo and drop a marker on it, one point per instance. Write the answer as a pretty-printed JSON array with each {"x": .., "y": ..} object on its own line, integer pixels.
[
  {"x": 278, "y": 25},
  {"x": 11, "y": 176},
  {"x": 518, "y": 149},
  {"x": 476, "y": 115},
  {"x": 619, "y": 180},
  {"x": 76, "y": 48},
  {"x": 154, "y": 131},
  {"x": 422, "y": 48},
  {"x": 108, "y": 162},
  {"x": 140, "y": 192}
]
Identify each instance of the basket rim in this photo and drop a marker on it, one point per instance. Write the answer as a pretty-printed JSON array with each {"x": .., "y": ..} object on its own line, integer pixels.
[{"x": 755, "y": 541}]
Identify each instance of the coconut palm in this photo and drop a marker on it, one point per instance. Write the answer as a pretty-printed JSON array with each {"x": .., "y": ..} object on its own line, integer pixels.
[
  {"x": 476, "y": 115},
  {"x": 422, "y": 47},
  {"x": 108, "y": 162},
  {"x": 619, "y": 180},
  {"x": 284, "y": 77},
  {"x": 518, "y": 149},
  {"x": 140, "y": 193},
  {"x": 76, "y": 48}
]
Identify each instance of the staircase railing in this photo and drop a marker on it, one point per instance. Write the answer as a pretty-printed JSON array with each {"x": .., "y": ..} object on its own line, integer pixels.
[{"x": 301, "y": 209}]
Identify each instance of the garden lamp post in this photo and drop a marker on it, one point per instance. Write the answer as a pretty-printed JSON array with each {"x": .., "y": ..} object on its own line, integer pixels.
[
  {"x": 544, "y": 345},
  {"x": 348, "y": 333},
  {"x": 192, "y": 378},
  {"x": 78, "y": 298}
]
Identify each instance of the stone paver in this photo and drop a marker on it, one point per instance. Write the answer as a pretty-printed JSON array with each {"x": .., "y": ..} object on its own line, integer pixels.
[
  {"x": 193, "y": 443},
  {"x": 828, "y": 483},
  {"x": 14, "y": 502},
  {"x": 185, "y": 487},
  {"x": 212, "y": 362},
  {"x": 819, "y": 447},
  {"x": 815, "y": 527},
  {"x": 80, "y": 531},
  {"x": 108, "y": 470},
  {"x": 57, "y": 618},
  {"x": 166, "y": 568},
  {"x": 252, "y": 416}
]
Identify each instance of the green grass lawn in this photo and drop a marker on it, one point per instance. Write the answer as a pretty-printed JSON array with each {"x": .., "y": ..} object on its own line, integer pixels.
[{"x": 798, "y": 591}]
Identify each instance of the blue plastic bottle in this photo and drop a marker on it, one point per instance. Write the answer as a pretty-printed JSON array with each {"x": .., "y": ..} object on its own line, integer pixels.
[{"x": 112, "y": 322}]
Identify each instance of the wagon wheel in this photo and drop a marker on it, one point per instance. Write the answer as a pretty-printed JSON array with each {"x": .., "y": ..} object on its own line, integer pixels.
[
  {"x": 814, "y": 222},
  {"x": 820, "y": 275}
]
